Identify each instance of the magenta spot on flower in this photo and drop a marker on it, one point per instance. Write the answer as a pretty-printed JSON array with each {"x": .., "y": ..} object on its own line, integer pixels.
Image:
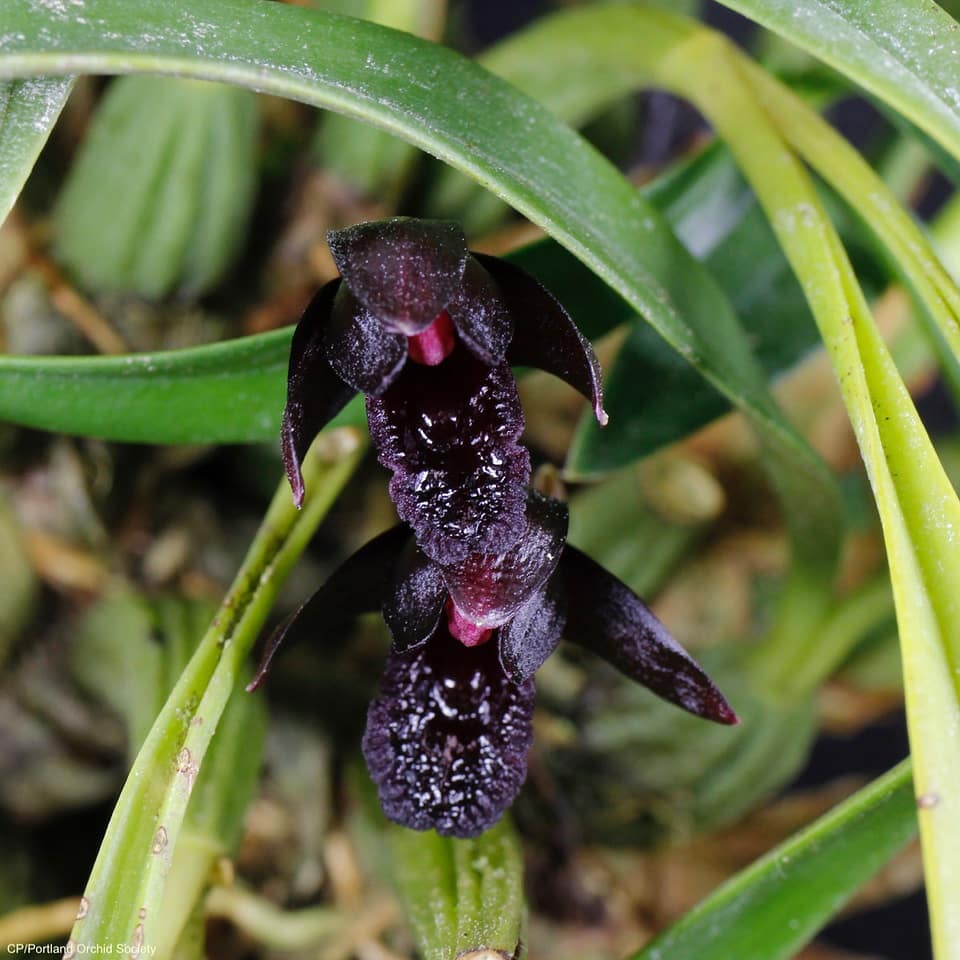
[
  {"x": 490, "y": 588},
  {"x": 434, "y": 345},
  {"x": 470, "y": 634}
]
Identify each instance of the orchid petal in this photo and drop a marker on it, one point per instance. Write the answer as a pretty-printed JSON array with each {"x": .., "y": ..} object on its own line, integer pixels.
[
  {"x": 534, "y": 632},
  {"x": 449, "y": 434},
  {"x": 447, "y": 737},
  {"x": 403, "y": 271},
  {"x": 359, "y": 585},
  {"x": 315, "y": 394},
  {"x": 480, "y": 315},
  {"x": 415, "y": 602},
  {"x": 606, "y": 616},
  {"x": 489, "y": 588},
  {"x": 544, "y": 335},
  {"x": 361, "y": 352}
]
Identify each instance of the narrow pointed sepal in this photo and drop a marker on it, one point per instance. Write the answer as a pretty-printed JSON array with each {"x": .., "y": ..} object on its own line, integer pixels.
[
  {"x": 489, "y": 589},
  {"x": 359, "y": 585},
  {"x": 544, "y": 335},
  {"x": 534, "y": 632},
  {"x": 362, "y": 353},
  {"x": 415, "y": 599},
  {"x": 606, "y": 616},
  {"x": 447, "y": 737},
  {"x": 403, "y": 271},
  {"x": 481, "y": 316},
  {"x": 315, "y": 394}
]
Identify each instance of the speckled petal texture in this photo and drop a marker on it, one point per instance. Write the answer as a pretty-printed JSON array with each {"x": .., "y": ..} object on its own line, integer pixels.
[
  {"x": 449, "y": 434},
  {"x": 403, "y": 271},
  {"x": 447, "y": 737},
  {"x": 480, "y": 315},
  {"x": 360, "y": 351},
  {"x": 534, "y": 632},
  {"x": 415, "y": 599}
]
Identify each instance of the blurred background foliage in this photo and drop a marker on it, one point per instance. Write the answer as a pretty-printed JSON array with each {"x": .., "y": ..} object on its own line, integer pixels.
[{"x": 170, "y": 213}]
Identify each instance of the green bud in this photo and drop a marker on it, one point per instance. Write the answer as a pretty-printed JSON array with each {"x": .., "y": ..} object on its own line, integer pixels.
[{"x": 160, "y": 192}]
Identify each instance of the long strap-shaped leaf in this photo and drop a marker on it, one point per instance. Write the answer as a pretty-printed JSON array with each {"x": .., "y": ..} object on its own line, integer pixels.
[
  {"x": 774, "y": 907},
  {"x": 907, "y": 52},
  {"x": 228, "y": 392},
  {"x": 919, "y": 509},
  {"x": 28, "y": 111},
  {"x": 453, "y": 108}
]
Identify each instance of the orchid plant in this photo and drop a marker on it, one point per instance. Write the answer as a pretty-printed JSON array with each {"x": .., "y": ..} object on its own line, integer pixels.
[
  {"x": 428, "y": 331},
  {"x": 749, "y": 305}
]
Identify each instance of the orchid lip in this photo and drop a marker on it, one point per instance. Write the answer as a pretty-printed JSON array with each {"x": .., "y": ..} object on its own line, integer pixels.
[{"x": 448, "y": 733}]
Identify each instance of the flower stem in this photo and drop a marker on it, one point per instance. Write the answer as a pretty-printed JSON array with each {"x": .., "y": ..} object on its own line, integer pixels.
[
  {"x": 796, "y": 672},
  {"x": 122, "y": 904}
]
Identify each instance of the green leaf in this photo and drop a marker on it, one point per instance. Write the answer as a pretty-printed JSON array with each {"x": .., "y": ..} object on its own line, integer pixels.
[
  {"x": 125, "y": 895},
  {"x": 506, "y": 141},
  {"x": 28, "y": 111},
  {"x": 906, "y": 53},
  {"x": 374, "y": 73},
  {"x": 223, "y": 393},
  {"x": 844, "y": 169},
  {"x": 463, "y": 897},
  {"x": 775, "y": 906},
  {"x": 658, "y": 398},
  {"x": 918, "y": 507},
  {"x": 129, "y": 653},
  {"x": 372, "y": 163}
]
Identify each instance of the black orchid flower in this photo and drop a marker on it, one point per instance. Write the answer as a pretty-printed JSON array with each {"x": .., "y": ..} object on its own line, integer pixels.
[
  {"x": 448, "y": 734},
  {"x": 429, "y": 331}
]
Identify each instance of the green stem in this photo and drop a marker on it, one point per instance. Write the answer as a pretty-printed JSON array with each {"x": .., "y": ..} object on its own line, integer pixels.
[
  {"x": 795, "y": 673},
  {"x": 125, "y": 891},
  {"x": 271, "y": 926}
]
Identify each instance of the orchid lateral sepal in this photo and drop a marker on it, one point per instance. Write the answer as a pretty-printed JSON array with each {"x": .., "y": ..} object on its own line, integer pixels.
[
  {"x": 605, "y": 616},
  {"x": 361, "y": 584},
  {"x": 315, "y": 394},
  {"x": 544, "y": 335}
]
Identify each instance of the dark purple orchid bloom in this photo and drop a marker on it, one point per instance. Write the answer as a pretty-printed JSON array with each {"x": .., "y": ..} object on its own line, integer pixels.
[
  {"x": 448, "y": 734},
  {"x": 478, "y": 586},
  {"x": 429, "y": 331}
]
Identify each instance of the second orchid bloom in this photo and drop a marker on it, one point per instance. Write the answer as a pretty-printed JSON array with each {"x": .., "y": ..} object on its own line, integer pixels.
[{"x": 478, "y": 585}]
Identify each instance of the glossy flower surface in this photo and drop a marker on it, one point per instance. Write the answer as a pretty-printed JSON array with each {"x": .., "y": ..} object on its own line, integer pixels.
[
  {"x": 448, "y": 733},
  {"x": 477, "y": 586},
  {"x": 429, "y": 331}
]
